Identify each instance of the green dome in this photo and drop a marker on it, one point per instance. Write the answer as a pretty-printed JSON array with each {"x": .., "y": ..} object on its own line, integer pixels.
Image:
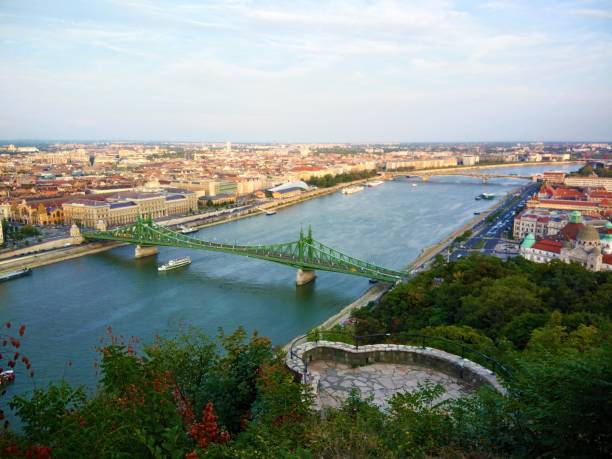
[
  {"x": 528, "y": 241},
  {"x": 608, "y": 224},
  {"x": 575, "y": 217}
]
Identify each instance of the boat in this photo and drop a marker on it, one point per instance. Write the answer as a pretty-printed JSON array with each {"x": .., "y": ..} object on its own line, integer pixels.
[
  {"x": 270, "y": 212},
  {"x": 476, "y": 213},
  {"x": 352, "y": 189},
  {"x": 374, "y": 183},
  {"x": 174, "y": 264},
  {"x": 8, "y": 275},
  {"x": 414, "y": 185},
  {"x": 487, "y": 196},
  {"x": 187, "y": 229},
  {"x": 6, "y": 377}
]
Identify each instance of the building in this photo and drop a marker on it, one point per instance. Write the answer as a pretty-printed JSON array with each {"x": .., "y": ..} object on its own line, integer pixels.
[
  {"x": 539, "y": 222},
  {"x": 577, "y": 243},
  {"x": 593, "y": 208},
  {"x": 554, "y": 177},
  {"x": 589, "y": 182},
  {"x": 127, "y": 207},
  {"x": 416, "y": 164},
  {"x": 470, "y": 160}
]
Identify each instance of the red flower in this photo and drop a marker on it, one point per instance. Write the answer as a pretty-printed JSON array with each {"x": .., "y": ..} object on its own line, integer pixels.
[
  {"x": 7, "y": 325},
  {"x": 22, "y": 330}
]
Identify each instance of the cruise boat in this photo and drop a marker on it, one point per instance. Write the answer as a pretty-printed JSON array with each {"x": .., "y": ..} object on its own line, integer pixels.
[
  {"x": 352, "y": 189},
  {"x": 414, "y": 185},
  {"x": 270, "y": 212},
  {"x": 374, "y": 183},
  {"x": 187, "y": 229},
  {"x": 174, "y": 264},
  {"x": 8, "y": 275}
]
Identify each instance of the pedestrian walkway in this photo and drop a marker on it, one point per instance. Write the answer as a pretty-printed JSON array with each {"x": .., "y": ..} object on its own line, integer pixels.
[{"x": 379, "y": 381}]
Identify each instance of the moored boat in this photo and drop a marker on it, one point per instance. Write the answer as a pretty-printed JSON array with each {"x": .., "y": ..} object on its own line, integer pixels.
[
  {"x": 8, "y": 275},
  {"x": 187, "y": 229},
  {"x": 173, "y": 264},
  {"x": 352, "y": 189},
  {"x": 374, "y": 183}
]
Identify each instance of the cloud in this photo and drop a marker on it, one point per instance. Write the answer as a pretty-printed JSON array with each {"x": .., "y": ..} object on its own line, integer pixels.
[
  {"x": 594, "y": 13},
  {"x": 249, "y": 68}
]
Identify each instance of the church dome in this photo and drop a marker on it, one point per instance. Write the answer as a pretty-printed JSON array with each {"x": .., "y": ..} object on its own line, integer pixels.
[
  {"x": 529, "y": 241},
  {"x": 608, "y": 225},
  {"x": 575, "y": 217},
  {"x": 588, "y": 233}
]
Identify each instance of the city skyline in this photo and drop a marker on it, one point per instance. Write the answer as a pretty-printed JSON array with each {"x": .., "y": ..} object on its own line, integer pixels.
[{"x": 261, "y": 72}]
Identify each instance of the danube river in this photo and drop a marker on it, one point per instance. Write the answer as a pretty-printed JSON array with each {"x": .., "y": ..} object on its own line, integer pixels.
[{"x": 68, "y": 306}]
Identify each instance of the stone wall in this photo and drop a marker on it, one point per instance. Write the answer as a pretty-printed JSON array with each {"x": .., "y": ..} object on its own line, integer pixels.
[{"x": 450, "y": 364}]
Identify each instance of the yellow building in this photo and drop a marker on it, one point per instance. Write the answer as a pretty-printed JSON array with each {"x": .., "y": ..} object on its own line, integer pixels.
[{"x": 127, "y": 207}]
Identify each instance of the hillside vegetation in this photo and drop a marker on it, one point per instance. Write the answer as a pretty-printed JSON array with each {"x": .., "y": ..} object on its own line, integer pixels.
[{"x": 232, "y": 397}]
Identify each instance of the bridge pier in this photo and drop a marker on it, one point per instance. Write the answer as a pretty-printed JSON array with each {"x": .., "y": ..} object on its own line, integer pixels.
[
  {"x": 142, "y": 251},
  {"x": 304, "y": 276}
]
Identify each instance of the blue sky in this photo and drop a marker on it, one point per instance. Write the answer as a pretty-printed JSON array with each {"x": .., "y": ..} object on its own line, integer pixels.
[{"x": 299, "y": 71}]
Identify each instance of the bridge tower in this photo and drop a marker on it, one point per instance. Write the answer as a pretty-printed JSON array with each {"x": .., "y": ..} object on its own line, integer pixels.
[
  {"x": 305, "y": 276},
  {"x": 143, "y": 250}
]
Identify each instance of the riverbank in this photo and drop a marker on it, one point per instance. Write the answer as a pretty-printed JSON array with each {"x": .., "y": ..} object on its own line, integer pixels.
[
  {"x": 57, "y": 255},
  {"x": 46, "y": 257},
  {"x": 427, "y": 254}
]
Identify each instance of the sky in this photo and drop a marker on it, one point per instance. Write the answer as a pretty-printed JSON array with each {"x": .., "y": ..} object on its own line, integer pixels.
[{"x": 306, "y": 71}]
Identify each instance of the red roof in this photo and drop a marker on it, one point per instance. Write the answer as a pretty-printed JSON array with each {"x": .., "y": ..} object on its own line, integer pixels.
[
  {"x": 570, "y": 203},
  {"x": 548, "y": 246}
]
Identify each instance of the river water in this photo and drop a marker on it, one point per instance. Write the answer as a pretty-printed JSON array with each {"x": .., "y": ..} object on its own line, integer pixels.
[{"x": 68, "y": 306}]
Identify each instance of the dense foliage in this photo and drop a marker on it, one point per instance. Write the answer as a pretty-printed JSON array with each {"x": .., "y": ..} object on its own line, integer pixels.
[
  {"x": 587, "y": 170},
  {"x": 192, "y": 396},
  {"x": 329, "y": 180},
  {"x": 550, "y": 322}
]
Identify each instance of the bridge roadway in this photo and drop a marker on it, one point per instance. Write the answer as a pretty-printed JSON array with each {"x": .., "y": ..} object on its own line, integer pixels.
[
  {"x": 458, "y": 172},
  {"x": 305, "y": 254}
]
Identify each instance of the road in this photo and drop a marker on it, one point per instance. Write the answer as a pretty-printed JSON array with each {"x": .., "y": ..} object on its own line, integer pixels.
[{"x": 492, "y": 237}]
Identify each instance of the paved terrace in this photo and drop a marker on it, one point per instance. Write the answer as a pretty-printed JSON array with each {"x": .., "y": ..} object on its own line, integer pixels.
[
  {"x": 381, "y": 370},
  {"x": 379, "y": 381}
]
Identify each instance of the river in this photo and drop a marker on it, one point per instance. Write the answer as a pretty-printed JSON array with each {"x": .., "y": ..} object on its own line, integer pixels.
[{"x": 68, "y": 306}]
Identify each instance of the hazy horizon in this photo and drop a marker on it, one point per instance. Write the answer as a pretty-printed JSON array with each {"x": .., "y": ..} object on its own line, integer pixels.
[{"x": 310, "y": 72}]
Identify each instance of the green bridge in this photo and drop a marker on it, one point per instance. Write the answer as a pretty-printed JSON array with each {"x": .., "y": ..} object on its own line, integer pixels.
[{"x": 305, "y": 254}]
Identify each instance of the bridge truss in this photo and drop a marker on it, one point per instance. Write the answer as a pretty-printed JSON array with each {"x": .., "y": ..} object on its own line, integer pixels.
[{"x": 305, "y": 253}]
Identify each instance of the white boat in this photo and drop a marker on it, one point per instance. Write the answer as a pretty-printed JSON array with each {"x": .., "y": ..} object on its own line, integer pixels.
[
  {"x": 187, "y": 230},
  {"x": 270, "y": 212},
  {"x": 414, "y": 185},
  {"x": 374, "y": 183},
  {"x": 352, "y": 189},
  {"x": 173, "y": 264}
]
